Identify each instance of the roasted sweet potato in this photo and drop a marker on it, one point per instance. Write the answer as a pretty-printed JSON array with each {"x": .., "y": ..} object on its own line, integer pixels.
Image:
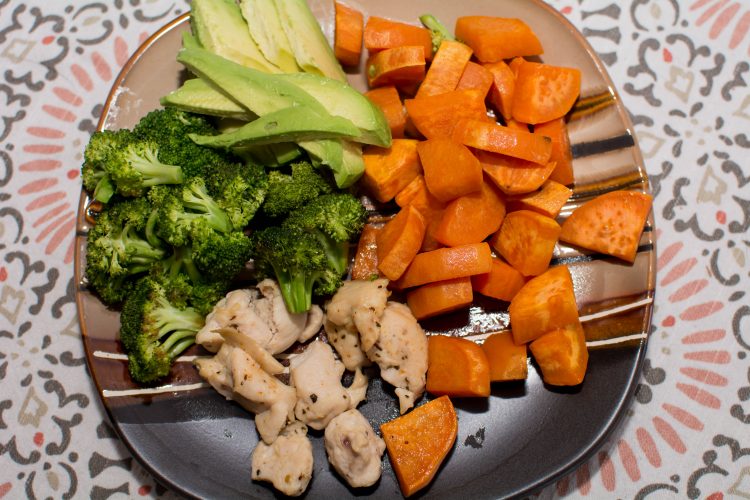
[
  {"x": 527, "y": 240},
  {"x": 446, "y": 69},
  {"x": 447, "y": 263},
  {"x": 347, "y": 44},
  {"x": 440, "y": 297},
  {"x": 457, "y": 367},
  {"x": 417, "y": 194},
  {"x": 507, "y": 360},
  {"x": 503, "y": 88},
  {"x": 544, "y": 92},
  {"x": 381, "y": 33},
  {"x": 472, "y": 217},
  {"x": 450, "y": 170},
  {"x": 366, "y": 259},
  {"x": 398, "y": 66},
  {"x": 548, "y": 201},
  {"x": 502, "y": 282},
  {"x": 418, "y": 442},
  {"x": 512, "y": 175},
  {"x": 496, "y": 38},
  {"x": 476, "y": 77},
  {"x": 436, "y": 116},
  {"x": 611, "y": 223},
  {"x": 488, "y": 136},
  {"x": 389, "y": 170},
  {"x": 388, "y": 100},
  {"x": 562, "y": 355},
  {"x": 399, "y": 242},
  {"x": 543, "y": 304},
  {"x": 557, "y": 130}
]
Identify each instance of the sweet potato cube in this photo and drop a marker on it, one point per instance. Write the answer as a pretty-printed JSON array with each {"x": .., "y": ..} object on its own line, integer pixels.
[
  {"x": 388, "y": 100},
  {"x": 610, "y": 223},
  {"x": 472, "y": 217},
  {"x": 366, "y": 259},
  {"x": 417, "y": 194},
  {"x": 562, "y": 355},
  {"x": 497, "y": 38},
  {"x": 397, "y": 66},
  {"x": 389, "y": 170},
  {"x": 476, "y": 77},
  {"x": 437, "y": 115},
  {"x": 512, "y": 175},
  {"x": 562, "y": 155},
  {"x": 502, "y": 282},
  {"x": 507, "y": 360},
  {"x": 349, "y": 24},
  {"x": 457, "y": 367},
  {"x": 503, "y": 87},
  {"x": 447, "y": 263},
  {"x": 418, "y": 442},
  {"x": 543, "y": 304},
  {"x": 548, "y": 201},
  {"x": 399, "y": 242},
  {"x": 481, "y": 134},
  {"x": 440, "y": 297},
  {"x": 450, "y": 170},
  {"x": 527, "y": 241},
  {"x": 381, "y": 34}
]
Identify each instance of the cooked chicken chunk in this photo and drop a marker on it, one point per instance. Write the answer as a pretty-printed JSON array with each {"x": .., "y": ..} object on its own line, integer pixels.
[
  {"x": 353, "y": 448},
  {"x": 287, "y": 463},
  {"x": 401, "y": 353},
  {"x": 316, "y": 375},
  {"x": 346, "y": 342},
  {"x": 236, "y": 375},
  {"x": 358, "y": 389},
  {"x": 360, "y": 303},
  {"x": 259, "y": 313}
]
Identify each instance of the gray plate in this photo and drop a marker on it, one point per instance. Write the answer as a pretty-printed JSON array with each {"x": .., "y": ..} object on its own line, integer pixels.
[{"x": 521, "y": 438}]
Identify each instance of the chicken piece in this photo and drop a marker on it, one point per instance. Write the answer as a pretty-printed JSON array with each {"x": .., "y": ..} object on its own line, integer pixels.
[
  {"x": 353, "y": 448},
  {"x": 360, "y": 303},
  {"x": 316, "y": 375},
  {"x": 259, "y": 313},
  {"x": 358, "y": 389},
  {"x": 346, "y": 342},
  {"x": 401, "y": 353},
  {"x": 237, "y": 376},
  {"x": 287, "y": 463}
]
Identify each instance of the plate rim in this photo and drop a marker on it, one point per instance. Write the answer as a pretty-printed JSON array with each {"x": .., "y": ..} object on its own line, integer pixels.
[{"x": 616, "y": 416}]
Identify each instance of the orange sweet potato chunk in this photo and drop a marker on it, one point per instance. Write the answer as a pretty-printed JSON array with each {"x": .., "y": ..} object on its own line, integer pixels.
[
  {"x": 507, "y": 360},
  {"x": 512, "y": 175},
  {"x": 440, "y": 297},
  {"x": 388, "y": 100},
  {"x": 562, "y": 355},
  {"x": 447, "y": 263},
  {"x": 611, "y": 223},
  {"x": 399, "y": 242},
  {"x": 389, "y": 170},
  {"x": 543, "y": 304},
  {"x": 457, "y": 367},
  {"x": 502, "y": 282},
  {"x": 366, "y": 259},
  {"x": 418, "y": 442},
  {"x": 548, "y": 201},
  {"x": 472, "y": 217},
  {"x": 527, "y": 241}
]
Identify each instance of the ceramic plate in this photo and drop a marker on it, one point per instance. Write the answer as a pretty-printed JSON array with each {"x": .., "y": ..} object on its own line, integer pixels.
[{"x": 526, "y": 434}]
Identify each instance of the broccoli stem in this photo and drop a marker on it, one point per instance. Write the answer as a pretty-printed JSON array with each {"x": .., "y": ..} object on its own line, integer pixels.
[
  {"x": 296, "y": 289},
  {"x": 155, "y": 172},
  {"x": 178, "y": 342},
  {"x": 198, "y": 199},
  {"x": 438, "y": 30},
  {"x": 104, "y": 189}
]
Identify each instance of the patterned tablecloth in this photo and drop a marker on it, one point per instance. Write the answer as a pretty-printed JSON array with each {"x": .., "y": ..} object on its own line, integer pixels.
[{"x": 681, "y": 67}]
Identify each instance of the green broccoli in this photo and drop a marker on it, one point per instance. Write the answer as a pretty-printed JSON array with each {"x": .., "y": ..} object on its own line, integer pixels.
[
  {"x": 117, "y": 248},
  {"x": 334, "y": 219},
  {"x": 156, "y": 326},
  {"x": 221, "y": 255},
  {"x": 438, "y": 31},
  {"x": 135, "y": 167},
  {"x": 295, "y": 259},
  {"x": 289, "y": 191},
  {"x": 94, "y": 174},
  {"x": 169, "y": 128},
  {"x": 239, "y": 189}
]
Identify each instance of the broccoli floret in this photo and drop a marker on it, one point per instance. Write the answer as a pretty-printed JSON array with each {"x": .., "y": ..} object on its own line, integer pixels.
[
  {"x": 438, "y": 31},
  {"x": 334, "y": 219},
  {"x": 135, "y": 167},
  {"x": 180, "y": 207},
  {"x": 118, "y": 250},
  {"x": 94, "y": 175},
  {"x": 169, "y": 128},
  {"x": 239, "y": 189},
  {"x": 295, "y": 259},
  {"x": 289, "y": 191},
  {"x": 155, "y": 327},
  {"x": 221, "y": 255}
]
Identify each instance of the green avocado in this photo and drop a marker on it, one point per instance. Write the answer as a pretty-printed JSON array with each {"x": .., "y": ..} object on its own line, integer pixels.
[
  {"x": 219, "y": 27},
  {"x": 196, "y": 96},
  {"x": 263, "y": 21}
]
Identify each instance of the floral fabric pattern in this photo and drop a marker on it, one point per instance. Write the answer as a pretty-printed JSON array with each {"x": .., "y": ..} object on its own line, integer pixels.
[{"x": 680, "y": 67}]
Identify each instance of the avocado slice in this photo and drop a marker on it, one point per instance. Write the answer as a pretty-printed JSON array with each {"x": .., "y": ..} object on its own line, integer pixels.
[
  {"x": 340, "y": 99},
  {"x": 353, "y": 165},
  {"x": 310, "y": 46},
  {"x": 197, "y": 96},
  {"x": 296, "y": 123},
  {"x": 270, "y": 155},
  {"x": 189, "y": 41},
  {"x": 219, "y": 27},
  {"x": 264, "y": 24}
]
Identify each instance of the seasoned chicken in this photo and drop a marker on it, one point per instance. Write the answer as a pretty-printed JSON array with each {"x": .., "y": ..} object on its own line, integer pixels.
[
  {"x": 401, "y": 353},
  {"x": 358, "y": 389},
  {"x": 353, "y": 448},
  {"x": 259, "y": 313},
  {"x": 360, "y": 303},
  {"x": 346, "y": 342},
  {"x": 287, "y": 463},
  {"x": 316, "y": 375},
  {"x": 236, "y": 375}
]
